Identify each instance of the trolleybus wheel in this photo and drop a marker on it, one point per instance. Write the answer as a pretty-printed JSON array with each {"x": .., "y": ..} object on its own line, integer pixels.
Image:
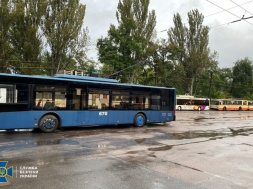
[
  {"x": 48, "y": 123},
  {"x": 224, "y": 108},
  {"x": 139, "y": 120},
  {"x": 240, "y": 109},
  {"x": 179, "y": 108},
  {"x": 199, "y": 108}
]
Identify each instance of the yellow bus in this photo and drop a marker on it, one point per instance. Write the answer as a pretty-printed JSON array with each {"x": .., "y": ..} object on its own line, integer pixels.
[
  {"x": 250, "y": 103},
  {"x": 230, "y": 104}
]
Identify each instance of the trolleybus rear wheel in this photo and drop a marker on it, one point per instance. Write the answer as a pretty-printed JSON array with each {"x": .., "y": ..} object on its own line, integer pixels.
[
  {"x": 224, "y": 108},
  {"x": 139, "y": 120},
  {"x": 48, "y": 123}
]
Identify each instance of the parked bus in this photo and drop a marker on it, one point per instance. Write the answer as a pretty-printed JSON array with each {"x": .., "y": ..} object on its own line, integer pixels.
[
  {"x": 186, "y": 102},
  {"x": 250, "y": 104},
  {"x": 230, "y": 104},
  {"x": 47, "y": 103}
]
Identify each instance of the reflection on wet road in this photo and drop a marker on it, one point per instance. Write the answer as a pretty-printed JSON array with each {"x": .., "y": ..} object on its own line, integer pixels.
[{"x": 197, "y": 141}]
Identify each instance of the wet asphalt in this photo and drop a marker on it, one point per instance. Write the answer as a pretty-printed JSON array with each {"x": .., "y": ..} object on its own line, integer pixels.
[{"x": 206, "y": 149}]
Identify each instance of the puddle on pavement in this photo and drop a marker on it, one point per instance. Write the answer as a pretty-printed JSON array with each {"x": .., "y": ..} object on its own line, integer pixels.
[
  {"x": 139, "y": 141},
  {"x": 133, "y": 152},
  {"x": 39, "y": 142},
  {"x": 203, "y": 118},
  {"x": 247, "y": 144},
  {"x": 152, "y": 155},
  {"x": 212, "y": 135},
  {"x": 55, "y": 141},
  {"x": 154, "y": 149},
  {"x": 244, "y": 132},
  {"x": 192, "y": 135},
  {"x": 96, "y": 130},
  {"x": 161, "y": 148}
]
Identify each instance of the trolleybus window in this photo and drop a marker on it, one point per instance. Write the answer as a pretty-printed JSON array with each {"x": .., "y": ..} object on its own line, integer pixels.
[
  {"x": 13, "y": 93},
  {"x": 50, "y": 98},
  {"x": 98, "y": 99},
  {"x": 78, "y": 99},
  {"x": 140, "y": 101},
  {"x": 120, "y": 100}
]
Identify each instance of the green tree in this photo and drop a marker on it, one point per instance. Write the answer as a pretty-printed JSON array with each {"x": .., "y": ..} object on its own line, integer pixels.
[
  {"x": 214, "y": 83},
  {"x": 165, "y": 71},
  {"x": 64, "y": 33},
  {"x": 5, "y": 47},
  {"x": 242, "y": 75},
  {"x": 194, "y": 39},
  {"x": 25, "y": 37},
  {"x": 129, "y": 46},
  {"x": 222, "y": 80}
]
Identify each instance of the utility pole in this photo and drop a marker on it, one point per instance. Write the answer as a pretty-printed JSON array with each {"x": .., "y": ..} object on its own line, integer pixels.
[
  {"x": 210, "y": 84},
  {"x": 156, "y": 73}
]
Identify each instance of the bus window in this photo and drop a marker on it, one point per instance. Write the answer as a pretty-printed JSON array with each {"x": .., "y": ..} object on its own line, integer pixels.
[
  {"x": 78, "y": 99},
  {"x": 98, "y": 99},
  {"x": 6, "y": 94},
  {"x": 167, "y": 104},
  {"x": 120, "y": 100},
  {"x": 60, "y": 100},
  {"x": 13, "y": 93},
  {"x": 155, "y": 102},
  {"x": 172, "y": 100},
  {"x": 140, "y": 101},
  {"x": 42, "y": 100},
  {"x": 22, "y": 93},
  {"x": 50, "y": 98}
]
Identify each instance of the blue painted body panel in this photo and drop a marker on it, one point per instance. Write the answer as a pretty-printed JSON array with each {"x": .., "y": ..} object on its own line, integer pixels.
[{"x": 30, "y": 119}]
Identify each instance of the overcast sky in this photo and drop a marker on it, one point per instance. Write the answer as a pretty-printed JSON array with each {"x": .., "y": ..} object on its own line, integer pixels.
[{"x": 232, "y": 41}]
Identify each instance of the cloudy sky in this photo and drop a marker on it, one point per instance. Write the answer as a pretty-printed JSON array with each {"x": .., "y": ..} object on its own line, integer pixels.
[{"x": 232, "y": 41}]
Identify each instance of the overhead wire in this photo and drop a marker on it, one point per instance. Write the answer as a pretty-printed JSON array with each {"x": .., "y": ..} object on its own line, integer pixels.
[
  {"x": 237, "y": 5},
  {"x": 123, "y": 69},
  {"x": 241, "y": 7},
  {"x": 228, "y": 9},
  {"x": 229, "y": 12},
  {"x": 243, "y": 17}
]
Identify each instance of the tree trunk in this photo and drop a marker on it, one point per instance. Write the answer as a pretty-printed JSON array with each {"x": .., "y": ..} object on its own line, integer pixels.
[{"x": 191, "y": 87}]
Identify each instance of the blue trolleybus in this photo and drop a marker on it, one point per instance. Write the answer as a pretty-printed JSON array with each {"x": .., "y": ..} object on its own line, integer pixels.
[{"x": 48, "y": 103}]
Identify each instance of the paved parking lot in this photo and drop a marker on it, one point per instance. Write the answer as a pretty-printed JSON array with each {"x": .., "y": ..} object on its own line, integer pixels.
[{"x": 206, "y": 149}]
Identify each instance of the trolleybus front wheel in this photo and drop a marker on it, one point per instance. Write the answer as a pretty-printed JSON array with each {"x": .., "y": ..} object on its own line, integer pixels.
[
  {"x": 139, "y": 120},
  {"x": 48, "y": 123}
]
